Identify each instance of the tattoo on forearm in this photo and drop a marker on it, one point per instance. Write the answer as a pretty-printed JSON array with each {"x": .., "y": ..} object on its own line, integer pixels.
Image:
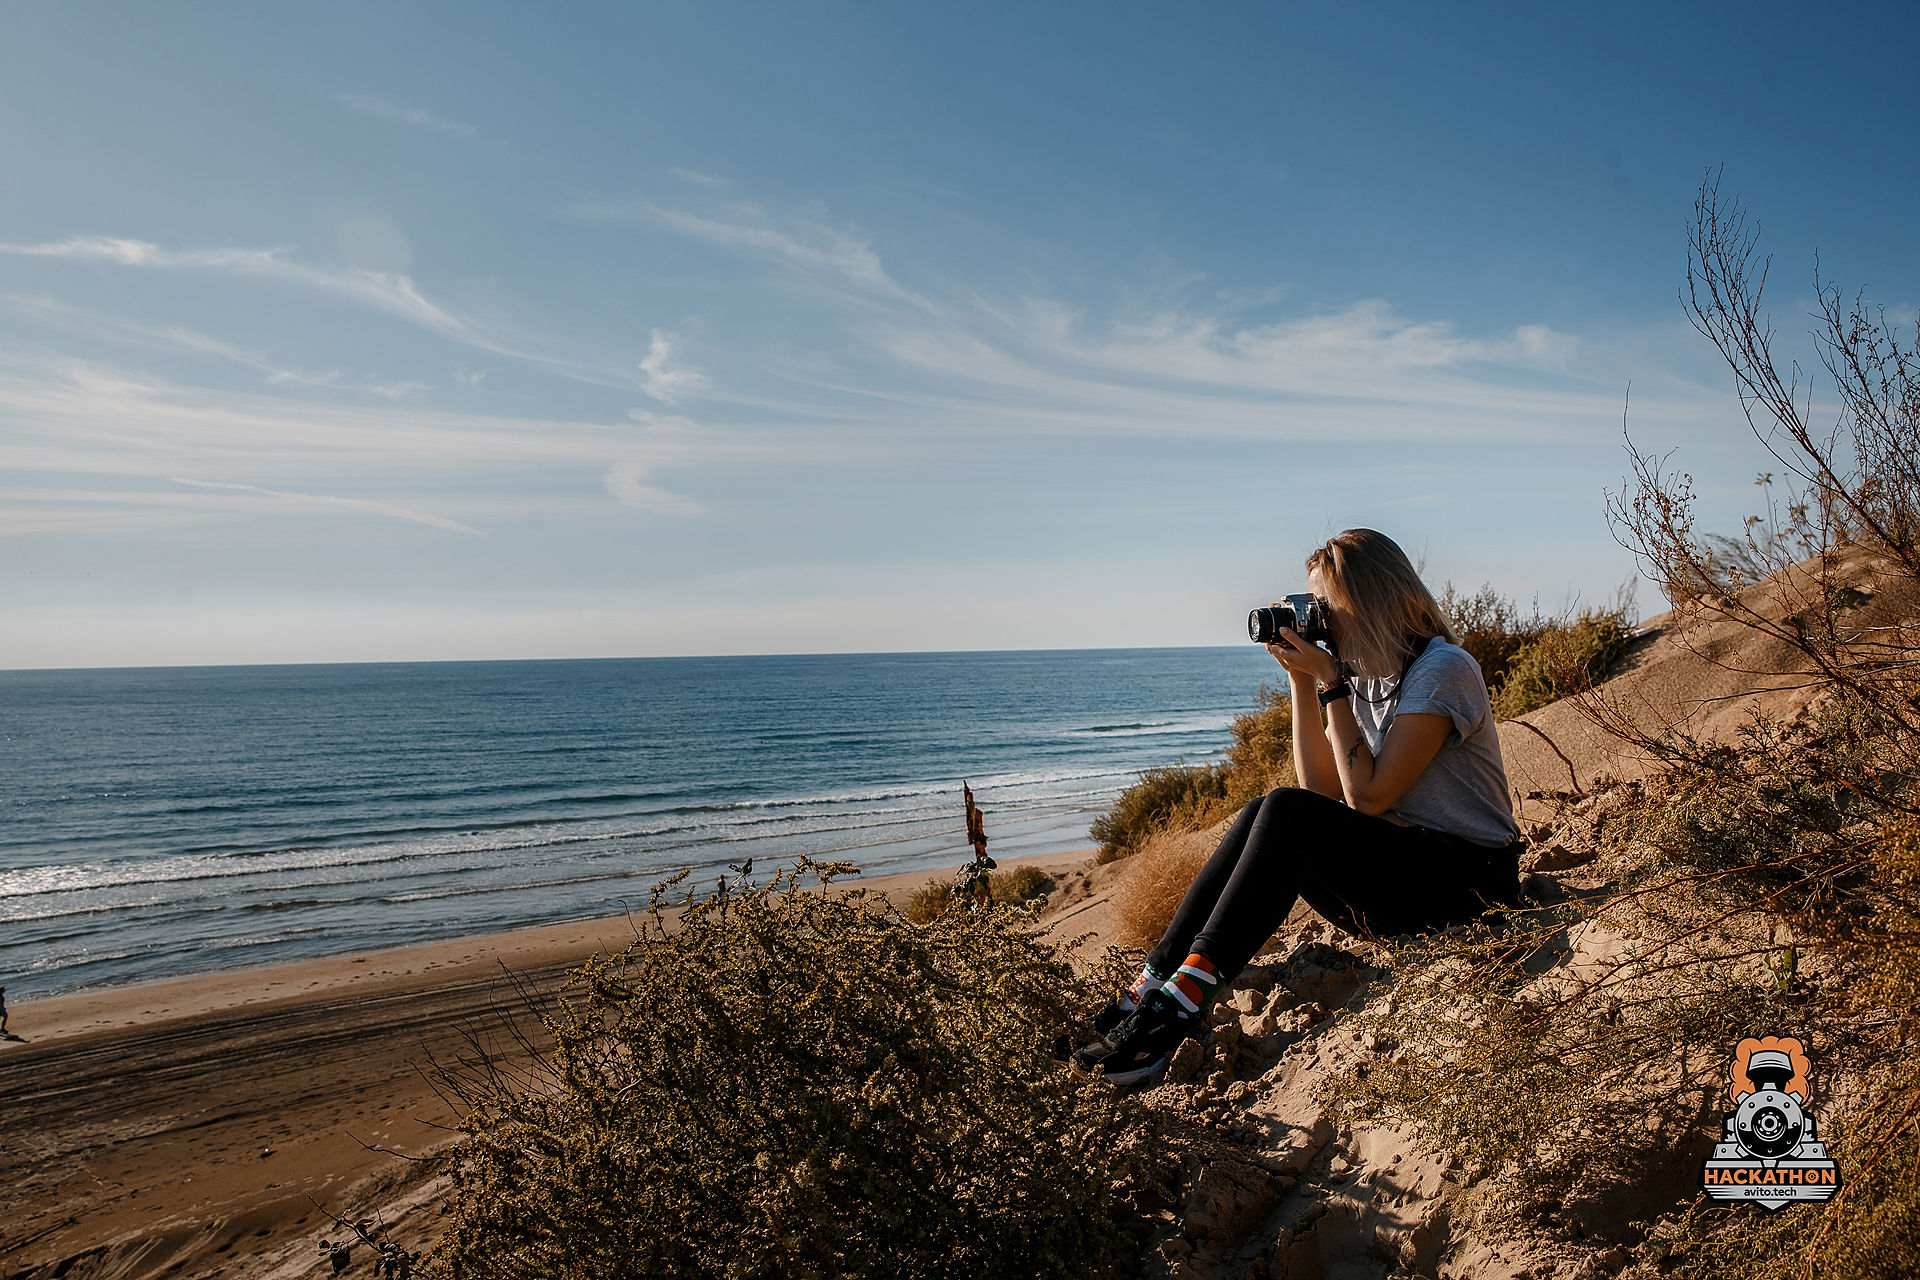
[{"x": 1353, "y": 753}]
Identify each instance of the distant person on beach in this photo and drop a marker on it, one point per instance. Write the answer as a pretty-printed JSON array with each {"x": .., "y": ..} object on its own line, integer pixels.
[
  {"x": 3, "y": 1011},
  {"x": 1401, "y": 824}
]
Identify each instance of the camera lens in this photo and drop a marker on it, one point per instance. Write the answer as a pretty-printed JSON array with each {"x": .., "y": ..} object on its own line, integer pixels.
[{"x": 1263, "y": 625}]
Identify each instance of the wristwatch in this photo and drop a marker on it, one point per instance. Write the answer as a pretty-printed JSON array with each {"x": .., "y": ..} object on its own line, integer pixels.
[{"x": 1337, "y": 692}]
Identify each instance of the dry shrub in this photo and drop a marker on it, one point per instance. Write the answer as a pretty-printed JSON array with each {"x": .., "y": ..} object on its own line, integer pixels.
[
  {"x": 1020, "y": 885},
  {"x": 795, "y": 1081},
  {"x": 1156, "y": 878}
]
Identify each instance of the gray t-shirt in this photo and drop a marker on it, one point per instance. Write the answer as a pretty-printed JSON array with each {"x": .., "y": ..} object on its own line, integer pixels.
[{"x": 1463, "y": 792}]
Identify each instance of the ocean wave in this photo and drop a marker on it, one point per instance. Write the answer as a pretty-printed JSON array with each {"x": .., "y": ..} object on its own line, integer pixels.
[
  {"x": 729, "y": 821},
  {"x": 1156, "y": 728}
]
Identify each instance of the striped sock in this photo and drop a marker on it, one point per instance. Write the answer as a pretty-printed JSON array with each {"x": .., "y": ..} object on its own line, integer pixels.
[
  {"x": 1195, "y": 985},
  {"x": 1149, "y": 979}
]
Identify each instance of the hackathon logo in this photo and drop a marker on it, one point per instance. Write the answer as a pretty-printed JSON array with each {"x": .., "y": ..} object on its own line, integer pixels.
[{"x": 1770, "y": 1153}]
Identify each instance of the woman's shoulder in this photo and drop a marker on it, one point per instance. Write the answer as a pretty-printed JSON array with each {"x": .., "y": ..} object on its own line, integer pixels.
[{"x": 1442, "y": 662}]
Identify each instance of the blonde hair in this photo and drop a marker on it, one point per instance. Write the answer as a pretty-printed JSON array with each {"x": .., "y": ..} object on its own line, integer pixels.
[{"x": 1386, "y": 612}]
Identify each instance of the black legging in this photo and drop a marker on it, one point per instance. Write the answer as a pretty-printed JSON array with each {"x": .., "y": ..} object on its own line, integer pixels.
[{"x": 1364, "y": 874}]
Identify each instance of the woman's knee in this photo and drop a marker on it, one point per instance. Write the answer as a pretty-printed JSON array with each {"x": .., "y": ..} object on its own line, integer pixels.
[{"x": 1282, "y": 800}]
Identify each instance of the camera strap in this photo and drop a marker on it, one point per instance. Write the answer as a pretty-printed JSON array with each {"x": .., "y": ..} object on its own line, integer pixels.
[{"x": 1400, "y": 680}]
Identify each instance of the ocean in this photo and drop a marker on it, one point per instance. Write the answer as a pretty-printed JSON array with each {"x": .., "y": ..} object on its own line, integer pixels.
[{"x": 166, "y": 821}]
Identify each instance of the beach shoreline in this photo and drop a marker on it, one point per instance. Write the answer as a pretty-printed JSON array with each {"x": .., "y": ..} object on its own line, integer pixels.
[{"x": 386, "y": 970}]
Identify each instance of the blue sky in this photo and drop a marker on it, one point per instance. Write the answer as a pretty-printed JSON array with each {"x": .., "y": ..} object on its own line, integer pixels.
[{"x": 361, "y": 332}]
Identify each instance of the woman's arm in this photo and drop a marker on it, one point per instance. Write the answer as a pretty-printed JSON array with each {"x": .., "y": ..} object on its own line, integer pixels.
[
  {"x": 1373, "y": 785},
  {"x": 1334, "y": 759},
  {"x": 1312, "y": 753}
]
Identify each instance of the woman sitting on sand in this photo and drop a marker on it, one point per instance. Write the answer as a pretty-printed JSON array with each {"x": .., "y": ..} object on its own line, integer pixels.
[{"x": 1402, "y": 822}]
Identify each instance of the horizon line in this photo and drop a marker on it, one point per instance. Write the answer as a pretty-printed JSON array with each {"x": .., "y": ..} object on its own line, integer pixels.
[{"x": 666, "y": 657}]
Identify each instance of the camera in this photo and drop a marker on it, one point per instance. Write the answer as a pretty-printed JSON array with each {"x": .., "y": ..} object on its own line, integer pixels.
[{"x": 1305, "y": 614}]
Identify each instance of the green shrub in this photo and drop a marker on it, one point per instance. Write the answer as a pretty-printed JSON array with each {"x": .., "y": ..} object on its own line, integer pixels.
[
  {"x": 794, "y": 1081},
  {"x": 1491, "y": 628},
  {"x": 1563, "y": 659},
  {"x": 1166, "y": 796},
  {"x": 1184, "y": 797}
]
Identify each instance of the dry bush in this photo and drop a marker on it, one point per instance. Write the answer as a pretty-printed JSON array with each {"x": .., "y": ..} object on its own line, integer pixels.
[
  {"x": 1181, "y": 797},
  {"x": 1156, "y": 878},
  {"x": 793, "y": 1080},
  {"x": 1849, "y": 491}
]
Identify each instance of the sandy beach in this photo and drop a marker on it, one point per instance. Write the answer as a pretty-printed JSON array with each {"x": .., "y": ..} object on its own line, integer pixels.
[{"x": 188, "y": 1127}]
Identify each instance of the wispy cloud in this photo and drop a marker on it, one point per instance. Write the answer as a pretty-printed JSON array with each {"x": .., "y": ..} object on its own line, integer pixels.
[
  {"x": 665, "y": 377},
  {"x": 815, "y": 249},
  {"x": 142, "y": 253},
  {"x": 1039, "y": 364},
  {"x": 389, "y": 292},
  {"x": 367, "y": 104},
  {"x": 328, "y": 500},
  {"x": 627, "y": 482},
  {"x": 127, "y": 432},
  {"x": 700, "y": 178},
  {"x": 394, "y": 294},
  {"x": 46, "y": 311}
]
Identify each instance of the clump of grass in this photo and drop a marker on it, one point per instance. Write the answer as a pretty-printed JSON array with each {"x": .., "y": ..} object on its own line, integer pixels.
[
  {"x": 934, "y": 898},
  {"x": 1021, "y": 885},
  {"x": 1155, "y": 880},
  {"x": 1184, "y": 797},
  {"x": 793, "y": 1080},
  {"x": 1014, "y": 888}
]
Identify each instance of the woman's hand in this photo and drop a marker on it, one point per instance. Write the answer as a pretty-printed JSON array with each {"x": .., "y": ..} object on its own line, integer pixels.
[{"x": 1303, "y": 660}]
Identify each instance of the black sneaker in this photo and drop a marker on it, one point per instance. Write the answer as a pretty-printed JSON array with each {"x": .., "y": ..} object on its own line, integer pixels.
[
  {"x": 1104, "y": 1023},
  {"x": 1090, "y": 1055},
  {"x": 1095, "y": 1032},
  {"x": 1142, "y": 1044},
  {"x": 1092, "y": 1038}
]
